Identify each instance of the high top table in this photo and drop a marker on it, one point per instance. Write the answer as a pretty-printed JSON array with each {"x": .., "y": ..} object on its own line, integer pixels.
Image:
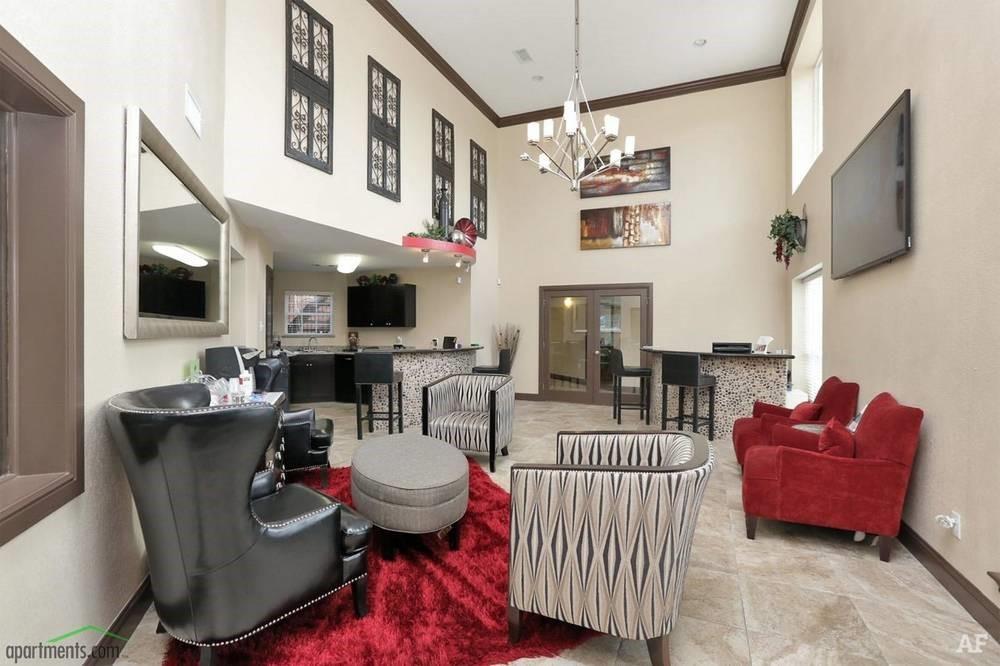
[{"x": 741, "y": 379}]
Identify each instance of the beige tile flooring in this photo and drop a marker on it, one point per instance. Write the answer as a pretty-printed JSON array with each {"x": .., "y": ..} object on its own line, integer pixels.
[{"x": 795, "y": 595}]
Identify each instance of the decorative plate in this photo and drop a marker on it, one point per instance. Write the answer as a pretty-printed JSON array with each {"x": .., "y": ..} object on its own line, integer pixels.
[{"x": 464, "y": 232}]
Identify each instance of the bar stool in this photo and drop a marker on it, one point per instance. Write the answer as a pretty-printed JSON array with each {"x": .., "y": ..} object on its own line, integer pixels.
[
  {"x": 619, "y": 370},
  {"x": 372, "y": 369},
  {"x": 683, "y": 370},
  {"x": 501, "y": 368}
]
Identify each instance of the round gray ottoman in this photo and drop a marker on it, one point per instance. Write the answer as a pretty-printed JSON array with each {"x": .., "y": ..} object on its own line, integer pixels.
[{"x": 412, "y": 484}]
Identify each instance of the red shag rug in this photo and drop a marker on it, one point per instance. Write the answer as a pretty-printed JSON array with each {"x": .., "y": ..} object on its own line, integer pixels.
[{"x": 430, "y": 605}]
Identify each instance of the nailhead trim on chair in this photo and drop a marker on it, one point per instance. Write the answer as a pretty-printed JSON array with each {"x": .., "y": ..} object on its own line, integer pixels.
[
  {"x": 328, "y": 507},
  {"x": 274, "y": 621}
]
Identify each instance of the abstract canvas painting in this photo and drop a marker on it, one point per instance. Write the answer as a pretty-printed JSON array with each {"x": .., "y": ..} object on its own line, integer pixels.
[
  {"x": 648, "y": 171},
  {"x": 640, "y": 225}
]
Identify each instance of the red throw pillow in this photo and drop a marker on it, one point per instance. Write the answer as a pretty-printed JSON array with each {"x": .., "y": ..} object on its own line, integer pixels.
[
  {"x": 806, "y": 411},
  {"x": 836, "y": 440}
]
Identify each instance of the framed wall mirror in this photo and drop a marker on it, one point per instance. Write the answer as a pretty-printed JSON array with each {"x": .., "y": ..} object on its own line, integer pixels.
[{"x": 176, "y": 242}]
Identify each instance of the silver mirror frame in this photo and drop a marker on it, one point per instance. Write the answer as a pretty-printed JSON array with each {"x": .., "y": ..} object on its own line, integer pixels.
[{"x": 140, "y": 130}]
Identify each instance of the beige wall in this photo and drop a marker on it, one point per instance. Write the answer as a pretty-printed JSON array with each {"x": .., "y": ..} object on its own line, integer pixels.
[
  {"x": 81, "y": 564},
  {"x": 261, "y": 174},
  {"x": 442, "y": 307},
  {"x": 716, "y": 281},
  {"x": 925, "y": 326}
]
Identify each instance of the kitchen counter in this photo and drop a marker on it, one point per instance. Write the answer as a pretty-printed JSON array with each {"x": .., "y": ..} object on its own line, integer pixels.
[
  {"x": 392, "y": 350},
  {"x": 741, "y": 379},
  {"x": 661, "y": 350}
]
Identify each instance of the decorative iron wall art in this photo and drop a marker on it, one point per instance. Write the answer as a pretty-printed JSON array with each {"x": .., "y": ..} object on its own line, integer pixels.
[
  {"x": 477, "y": 190},
  {"x": 383, "y": 131},
  {"x": 640, "y": 225},
  {"x": 442, "y": 170},
  {"x": 309, "y": 86}
]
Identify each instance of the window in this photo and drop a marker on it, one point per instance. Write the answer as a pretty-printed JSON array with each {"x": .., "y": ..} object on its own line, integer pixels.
[
  {"x": 806, "y": 74},
  {"x": 41, "y": 257},
  {"x": 383, "y": 131},
  {"x": 477, "y": 189},
  {"x": 309, "y": 86},
  {"x": 442, "y": 170},
  {"x": 807, "y": 331},
  {"x": 308, "y": 313}
]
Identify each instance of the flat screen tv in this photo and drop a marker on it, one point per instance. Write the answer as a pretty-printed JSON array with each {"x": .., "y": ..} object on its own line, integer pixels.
[{"x": 870, "y": 220}]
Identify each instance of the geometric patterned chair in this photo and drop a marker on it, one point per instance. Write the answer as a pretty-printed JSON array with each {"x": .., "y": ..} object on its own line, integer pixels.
[
  {"x": 472, "y": 412},
  {"x": 602, "y": 538}
]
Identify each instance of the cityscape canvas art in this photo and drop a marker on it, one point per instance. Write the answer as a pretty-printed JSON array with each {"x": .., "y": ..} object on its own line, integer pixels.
[
  {"x": 641, "y": 225},
  {"x": 648, "y": 171}
]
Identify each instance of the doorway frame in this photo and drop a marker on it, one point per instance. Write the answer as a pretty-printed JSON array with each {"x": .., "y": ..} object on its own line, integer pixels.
[{"x": 593, "y": 397}]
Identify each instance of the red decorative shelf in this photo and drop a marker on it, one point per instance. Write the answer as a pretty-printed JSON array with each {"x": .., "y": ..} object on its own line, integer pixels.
[{"x": 418, "y": 243}]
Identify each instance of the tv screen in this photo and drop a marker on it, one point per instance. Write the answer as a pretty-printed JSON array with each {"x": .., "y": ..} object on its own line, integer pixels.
[{"x": 870, "y": 220}]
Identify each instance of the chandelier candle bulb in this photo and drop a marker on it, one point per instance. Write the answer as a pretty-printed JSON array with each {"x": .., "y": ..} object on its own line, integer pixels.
[
  {"x": 548, "y": 128},
  {"x": 611, "y": 127},
  {"x": 533, "y": 133},
  {"x": 543, "y": 163},
  {"x": 581, "y": 162},
  {"x": 630, "y": 146},
  {"x": 616, "y": 157}
]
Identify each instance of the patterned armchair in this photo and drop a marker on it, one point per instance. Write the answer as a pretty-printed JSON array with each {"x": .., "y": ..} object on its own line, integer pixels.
[
  {"x": 472, "y": 412},
  {"x": 602, "y": 538}
]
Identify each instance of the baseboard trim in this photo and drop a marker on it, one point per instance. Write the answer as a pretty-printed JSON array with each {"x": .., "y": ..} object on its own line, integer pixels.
[
  {"x": 979, "y": 606},
  {"x": 124, "y": 623},
  {"x": 534, "y": 397}
]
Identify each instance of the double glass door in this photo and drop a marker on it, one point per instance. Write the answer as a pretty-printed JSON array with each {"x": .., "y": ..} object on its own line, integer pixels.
[{"x": 579, "y": 327}]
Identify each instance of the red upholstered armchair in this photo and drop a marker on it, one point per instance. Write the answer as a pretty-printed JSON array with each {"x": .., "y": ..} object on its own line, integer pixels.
[
  {"x": 835, "y": 400},
  {"x": 794, "y": 481}
]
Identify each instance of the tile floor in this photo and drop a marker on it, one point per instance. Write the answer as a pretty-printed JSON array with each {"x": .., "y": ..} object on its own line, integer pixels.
[{"x": 795, "y": 595}]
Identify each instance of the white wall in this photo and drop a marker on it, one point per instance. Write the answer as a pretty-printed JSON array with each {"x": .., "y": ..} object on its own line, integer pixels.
[
  {"x": 80, "y": 565},
  {"x": 717, "y": 279},
  {"x": 442, "y": 307},
  {"x": 260, "y": 173},
  {"x": 924, "y": 327}
]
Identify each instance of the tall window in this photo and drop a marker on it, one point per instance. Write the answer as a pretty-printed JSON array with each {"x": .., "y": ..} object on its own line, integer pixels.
[
  {"x": 4, "y": 317},
  {"x": 817, "y": 106},
  {"x": 309, "y": 86},
  {"x": 807, "y": 331},
  {"x": 308, "y": 313},
  {"x": 443, "y": 169},
  {"x": 383, "y": 131},
  {"x": 477, "y": 189},
  {"x": 806, "y": 75}
]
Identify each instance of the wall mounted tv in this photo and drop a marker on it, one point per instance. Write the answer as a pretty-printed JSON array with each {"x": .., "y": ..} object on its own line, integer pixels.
[{"x": 870, "y": 220}]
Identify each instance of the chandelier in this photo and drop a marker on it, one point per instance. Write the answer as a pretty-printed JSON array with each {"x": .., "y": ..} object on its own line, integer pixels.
[{"x": 574, "y": 150}]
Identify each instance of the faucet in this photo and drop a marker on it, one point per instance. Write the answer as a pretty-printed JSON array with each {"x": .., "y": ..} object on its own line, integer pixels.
[{"x": 309, "y": 343}]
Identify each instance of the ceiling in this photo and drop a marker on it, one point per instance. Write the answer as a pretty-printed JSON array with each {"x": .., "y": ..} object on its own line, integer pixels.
[
  {"x": 295, "y": 240},
  {"x": 625, "y": 47}
]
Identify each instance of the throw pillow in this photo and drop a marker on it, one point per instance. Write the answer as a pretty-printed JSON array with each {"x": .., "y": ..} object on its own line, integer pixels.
[
  {"x": 836, "y": 440},
  {"x": 806, "y": 411}
]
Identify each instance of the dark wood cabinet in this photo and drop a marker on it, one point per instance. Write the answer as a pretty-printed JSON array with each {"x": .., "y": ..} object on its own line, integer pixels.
[
  {"x": 312, "y": 378},
  {"x": 382, "y": 306},
  {"x": 343, "y": 371}
]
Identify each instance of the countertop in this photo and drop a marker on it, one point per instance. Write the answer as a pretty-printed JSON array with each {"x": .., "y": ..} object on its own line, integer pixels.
[
  {"x": 404, "y": 350},
  {"x": 660, "y": 350}
]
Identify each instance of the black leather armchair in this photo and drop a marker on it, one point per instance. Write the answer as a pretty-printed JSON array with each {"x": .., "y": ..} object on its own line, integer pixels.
[
  {"x": 271, "y": 374},
  {"x": 307, "y": 440},
  {"x": 229, "y": 554}
]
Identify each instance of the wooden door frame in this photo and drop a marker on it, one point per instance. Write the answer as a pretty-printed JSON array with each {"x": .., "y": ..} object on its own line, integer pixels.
[{"x": 544, "y": 290}]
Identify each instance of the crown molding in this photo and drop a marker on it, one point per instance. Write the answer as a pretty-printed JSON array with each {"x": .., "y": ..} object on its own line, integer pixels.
[{"x": 406, "y": 29}]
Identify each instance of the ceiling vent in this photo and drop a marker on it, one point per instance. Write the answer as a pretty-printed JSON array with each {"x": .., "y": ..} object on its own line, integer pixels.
[{"x": 523, "y": 56}]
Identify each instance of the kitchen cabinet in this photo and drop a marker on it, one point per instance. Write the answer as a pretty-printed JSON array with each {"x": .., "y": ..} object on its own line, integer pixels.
[{"x": 312, "y": 378}]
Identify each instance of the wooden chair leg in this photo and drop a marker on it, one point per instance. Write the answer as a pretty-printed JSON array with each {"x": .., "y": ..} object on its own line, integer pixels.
[
  {"x": 399, "y": 388},
  {"x": 359, "y": 590},
  {"x": 695, "y": 419},
  {"x": 884, "y": 547},
  {"x": 663, "y": 407},
  {"x": 391, "y": 421},
  {"x": 206, "y": 656},
  {"x": 711, "y": 413},
  {"x": 659, "y": 650},
  {"x": 160, "y": 629},
  {"x": 649, "y": 396},
  {"x": 357, "y": 402},
  {"x": 680, "y": 408},
  {"x": 388, "y": 540},
  {"x": 455, "y": 536},
  {"x": 751, "y": 526},
  {"x": 514, "y": 617}
]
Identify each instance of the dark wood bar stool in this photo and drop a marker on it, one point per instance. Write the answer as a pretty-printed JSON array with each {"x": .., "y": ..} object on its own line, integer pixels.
[
  {"x": 504, "y": 362},
  {"x": 619, "y": 370},
  {"x": 683, "y": 370},
  {"x": 370, "y": 370}
]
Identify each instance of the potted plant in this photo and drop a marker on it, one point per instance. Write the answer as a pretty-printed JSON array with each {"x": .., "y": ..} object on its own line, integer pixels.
[{"x": 788, "y": 231}]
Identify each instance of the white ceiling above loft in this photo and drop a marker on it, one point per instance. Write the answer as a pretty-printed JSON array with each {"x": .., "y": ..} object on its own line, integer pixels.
[{"x": 625, "y": 45}]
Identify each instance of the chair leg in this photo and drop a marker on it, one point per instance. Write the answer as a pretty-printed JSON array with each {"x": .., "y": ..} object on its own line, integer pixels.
[
  {"x": 504, "y": 451},
  {"x": 618, "y": 401},
  {"x": 160, "y": 629},
  {"x": 649, "y": 396},
  {"x": 357, "y": 402},
  {"x": 514, "y": 617},
  {"x": 359, "y": 590},
  {"x": 751, "y": 526},
  {"x": 455, "y": 535},
  {"x": 884, "y": 547},
  {"x": 371, "y": 402},
  {"x": 680, "y": 408},
  {"x": 659, "y": 650},
  {"x": 399, "y": 388},
  {"x": 206, "y": 656},
  {"x": 711, "y": 412},
  {"x": 388, "y": 540},
  {"x": 614, "y": 397},
  {"x": 695, "y": 419},
  {"x": 663, "y": 407},
  {"x": 391, "y": 421}
]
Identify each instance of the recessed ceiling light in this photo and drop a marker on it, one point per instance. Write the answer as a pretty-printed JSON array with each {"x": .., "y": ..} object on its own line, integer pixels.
[
  {"x": 180, "y": 254},
  {"x": 348, "y": 263},
  {"x": 701, "y": 41},
  {"x": 537, "y": 78},
  {"x": 523, "y": 56}
]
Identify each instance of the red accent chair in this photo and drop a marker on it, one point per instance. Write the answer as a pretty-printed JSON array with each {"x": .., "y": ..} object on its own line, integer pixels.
[
  {"x": 797, "y": 482},
  {"x": 836, "y": 400}
]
